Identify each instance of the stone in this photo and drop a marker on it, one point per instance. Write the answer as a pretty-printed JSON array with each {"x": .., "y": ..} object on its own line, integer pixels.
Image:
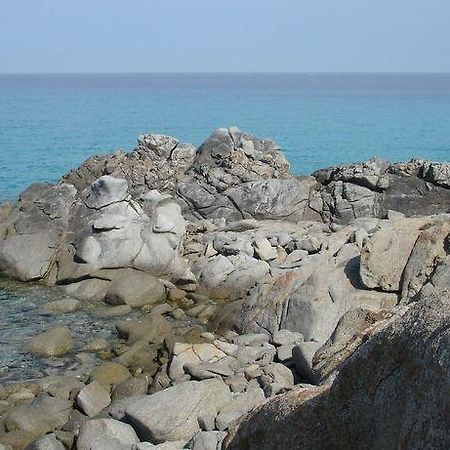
[
  {"x": 390, "y": 371},
  {"x": 65, "y": 387},
  {"x": 264, "y": 250},
  {"x": 56, "y": 341},
  {"x": 107, "y": 190},
  {"x": 207, "y": 440},
  {"x": 156, "y": 421},
  {"x": 109, "y": 374},
  {"x": 17, "y": 439},
  {"x": 385, "y": 254},
  {"x": 48, "y": 442},
  {"x": 64, "y": 306},
  {"x": 106, "y": 434},
  {"x": 151, "y": 328},
  {"x": 300, "y": 425},
  {"x": 282, "y": 337},
  {"x": 44, "y": 414},
  {"x": 97, "y": 345},
  {"x": 131, "y": 387},
  {"x": 136, "y": 290},
  {"x": 238, "y": 406},
  {"x": 93, "y": 398}
]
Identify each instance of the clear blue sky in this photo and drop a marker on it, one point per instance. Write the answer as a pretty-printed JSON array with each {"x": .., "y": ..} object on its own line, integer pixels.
[{"x": 224, "y": 35}]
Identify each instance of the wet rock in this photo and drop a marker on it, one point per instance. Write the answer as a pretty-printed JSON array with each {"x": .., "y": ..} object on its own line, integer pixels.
[
  {"x": 56, "y": 341},
  {"x": 97, "y": 345},
  {"x": 67, "y": 305}
]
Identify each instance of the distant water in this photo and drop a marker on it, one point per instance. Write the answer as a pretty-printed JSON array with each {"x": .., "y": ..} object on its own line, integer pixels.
[{"x": 51, "y": 123}]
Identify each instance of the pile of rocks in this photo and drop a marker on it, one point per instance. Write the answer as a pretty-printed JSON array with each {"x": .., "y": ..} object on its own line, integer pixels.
[{"x": 241, "y": 289}]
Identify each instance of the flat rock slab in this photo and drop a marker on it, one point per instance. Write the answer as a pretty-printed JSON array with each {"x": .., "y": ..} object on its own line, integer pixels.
[{"x": 172, "y": 414}]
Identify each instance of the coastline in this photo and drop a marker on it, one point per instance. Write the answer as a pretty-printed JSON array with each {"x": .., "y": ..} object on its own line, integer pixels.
[{"x": 238, "y": 285}]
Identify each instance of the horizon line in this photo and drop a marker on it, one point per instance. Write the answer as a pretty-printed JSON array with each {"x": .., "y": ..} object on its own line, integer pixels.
[{"x": 310, "y": 73}]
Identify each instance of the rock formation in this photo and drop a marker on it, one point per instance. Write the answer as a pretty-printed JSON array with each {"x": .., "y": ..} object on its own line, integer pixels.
[{"x": 258, "y": 306}]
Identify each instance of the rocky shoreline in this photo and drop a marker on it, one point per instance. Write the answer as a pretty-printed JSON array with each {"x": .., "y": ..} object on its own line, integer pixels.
[{"x": 255, "y": 309}]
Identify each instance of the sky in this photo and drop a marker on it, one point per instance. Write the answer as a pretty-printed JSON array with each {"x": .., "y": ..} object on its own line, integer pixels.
[{"x": 69, "y": 36}]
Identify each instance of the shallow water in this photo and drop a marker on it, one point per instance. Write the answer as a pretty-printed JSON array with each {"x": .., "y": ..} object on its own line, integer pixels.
[{"x": 21, "y": 319}]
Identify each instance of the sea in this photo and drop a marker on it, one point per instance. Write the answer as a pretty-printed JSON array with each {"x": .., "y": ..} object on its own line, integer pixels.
[{"x": 49, "y": 124}]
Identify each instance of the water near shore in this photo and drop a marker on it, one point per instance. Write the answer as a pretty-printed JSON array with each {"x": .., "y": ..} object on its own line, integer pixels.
[
  {"x": 21, "y": 318},
  {"x": 51, "y": 123}
]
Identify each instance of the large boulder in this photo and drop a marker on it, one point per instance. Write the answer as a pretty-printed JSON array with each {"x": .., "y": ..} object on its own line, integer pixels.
[
  {"x": 155, "y": 418},
  {"x": 238, "y": 176},
  {"x": 31, "y": 234},
  {"x": 393, "y": 389},
  {"x": 157, "y": 162}
]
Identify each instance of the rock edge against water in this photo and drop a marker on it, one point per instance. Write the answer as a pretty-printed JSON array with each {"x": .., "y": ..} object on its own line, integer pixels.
[{"x": 266, "y": 303}]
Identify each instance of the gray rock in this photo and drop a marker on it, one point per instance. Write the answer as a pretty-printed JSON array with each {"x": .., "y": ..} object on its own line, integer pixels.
[
  {"x": 48, "y": 442},
  {"x": 56, "y": 341},
  {"x": 106, "y": 434},
  {"x": 66, "y": 305},
  {"x": 93, "y": 398},
  {"x": 105, "y": 191},
  {"x": 137, "y": 290},
  {"x": 44, "y": 414},
  {"x": 157, "y": 421},
  {"x": 282, "y": 337},
  {"x": 239, "y": 406},
  {"x": 385, "y": 254},
  {"x": 378, "y": 377},
  {"x": 207, "y": 440}
]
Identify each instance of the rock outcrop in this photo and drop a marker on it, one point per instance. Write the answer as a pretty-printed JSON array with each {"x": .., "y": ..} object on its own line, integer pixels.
[{"x": 257, "y": 308}]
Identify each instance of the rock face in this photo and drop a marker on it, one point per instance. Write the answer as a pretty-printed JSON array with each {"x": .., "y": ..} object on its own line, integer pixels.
[
  {"x": 391, "y": 372},
  {"x": 372, "y": 189},
  {"x": 156, "y": 421}
]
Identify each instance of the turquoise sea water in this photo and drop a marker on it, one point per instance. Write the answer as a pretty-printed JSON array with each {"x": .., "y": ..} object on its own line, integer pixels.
[{"x": 51, "y": 123}]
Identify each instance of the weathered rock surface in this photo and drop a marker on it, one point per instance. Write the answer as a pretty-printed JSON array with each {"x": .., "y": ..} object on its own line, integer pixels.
[
  {"x": 106, "y": 434},
  {"x": 391, "y": 372},
  {"x": 156, "y": 421},
  {"x": 42, "y": 415}
]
